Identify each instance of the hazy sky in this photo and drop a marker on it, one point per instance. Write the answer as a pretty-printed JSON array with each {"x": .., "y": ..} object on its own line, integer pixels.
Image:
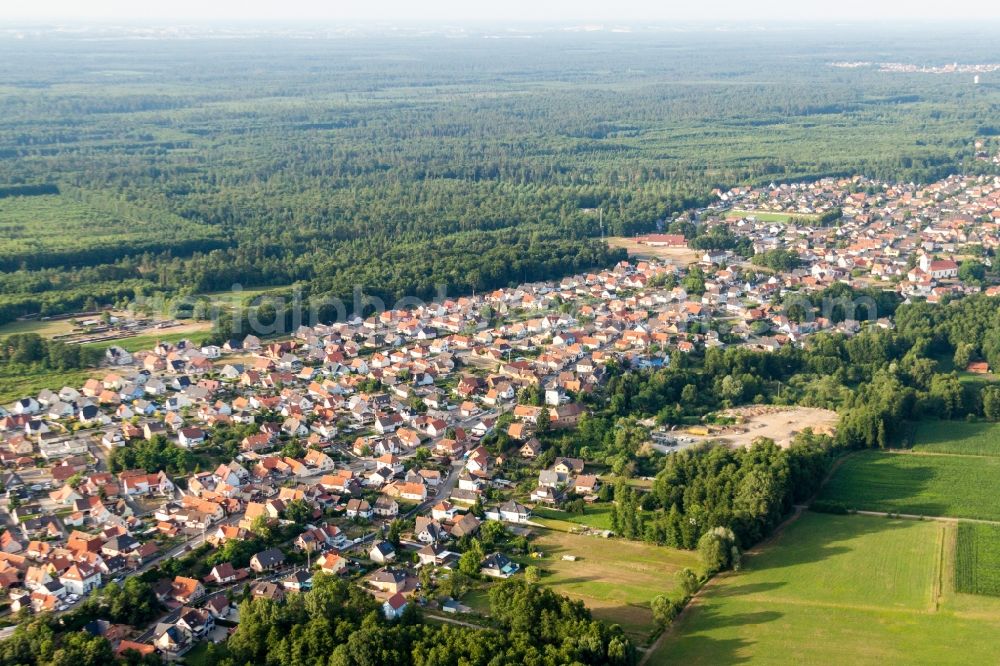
[{"x": 465, "y": 11}]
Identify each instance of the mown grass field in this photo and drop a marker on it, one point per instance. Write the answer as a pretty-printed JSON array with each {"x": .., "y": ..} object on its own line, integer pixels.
[
  {"x": 235, "y": 297},
  {"x": 772, "y": 216},
  {"x": 150, "y": 340},
  {"x": 927, "y": 485},
  {"x": 47, "y": 328},
  {"x": 959, "y": 437},
  {"x": 838, "y": 590},
  {"x": 977, "y": 559},
  {"x": 616, "y": 579},
  {"x": 597, "y": 516}
]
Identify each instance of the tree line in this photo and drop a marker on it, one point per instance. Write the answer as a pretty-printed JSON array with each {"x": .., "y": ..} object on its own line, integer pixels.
[{"x": 338, "y": 624}]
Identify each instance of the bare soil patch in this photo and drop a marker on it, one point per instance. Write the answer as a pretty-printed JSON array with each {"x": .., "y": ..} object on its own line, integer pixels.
[
  {"x": 681, "y": 256},
  {"x": 778, "y": 423}
]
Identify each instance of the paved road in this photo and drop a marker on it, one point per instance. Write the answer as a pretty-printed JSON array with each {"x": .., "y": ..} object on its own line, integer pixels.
[
  {"x": 189, "y": 544},
  {"x": 443, "y": 491},
  {"x": 172, "y": 616}
]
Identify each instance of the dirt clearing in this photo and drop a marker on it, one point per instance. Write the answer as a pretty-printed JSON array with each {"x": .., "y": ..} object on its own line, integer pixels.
[
  {"x": 778, "y": 423},
  {"x": 680, "y": 256}
]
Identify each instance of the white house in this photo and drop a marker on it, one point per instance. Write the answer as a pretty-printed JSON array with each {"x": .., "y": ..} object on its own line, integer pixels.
[
  {"x": 211, "y": 351},
  {"x": 26, "y": 406},
  {"x": 509, "y": 512},
  {"x": 80, "y": 579},
  {"x": 394, "y": 606}
]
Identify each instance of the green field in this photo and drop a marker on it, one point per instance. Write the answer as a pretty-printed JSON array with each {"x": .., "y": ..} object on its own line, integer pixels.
[
  {"x": 232, "y": 298},
  {"x": 927, "y": 485},
  {"x": 46, "y": 328},
  {"x": 596, "y": 516},
  {"x": 838, "y": 589},
  {"x": 47, "y": 230},
  {"x": 769, "y": 216},
  {"x": 20, "y": 385},
  {"x": 977, "y": 559},
  {"x": 616, "y": 579},
  {"x": 961, "y": 437},
  {"x": 971, "y": 380},
  {"x": 150, "y": 340}
]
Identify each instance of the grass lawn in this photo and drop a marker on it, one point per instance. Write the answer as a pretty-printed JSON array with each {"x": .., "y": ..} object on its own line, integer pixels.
[
  {"x": 597, "y": 516},
  {"x": 616, "y": 579},
  {"x": 837, "y": 589},
  {"x": 232, "y": 298},
  {"x": 148, "y": 341},
  {"x": 765, "y": 216},
  {"x": 928, "y": 485},
  {"x": 478, "y": 599},
  {"x": 977, "y": 559},
  {"x": 46, "y": 329},
  {"x": 961, "y": 437},
  {"x": 197, "y": 655}
]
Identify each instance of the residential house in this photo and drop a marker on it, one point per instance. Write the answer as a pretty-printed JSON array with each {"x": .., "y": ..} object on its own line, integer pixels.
[
  {"x": 272, "y": 558},
  {"x": 498, "y": 565},
  {"x": 394, "y": 606},
  {"x": 382, "y": 552}
]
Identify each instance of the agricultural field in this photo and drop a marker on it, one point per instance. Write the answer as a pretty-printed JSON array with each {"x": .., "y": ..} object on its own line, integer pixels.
[
  {"x": 616, "y": 579},
  {"x": 839, "y": 589},
  {"x": 958, "y": 437},
  {"x": 977, "y": 559},
  {"x": 920, "y": 484}
]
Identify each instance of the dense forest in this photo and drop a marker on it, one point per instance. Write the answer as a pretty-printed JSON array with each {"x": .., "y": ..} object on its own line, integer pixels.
[
  {"x": 401, "y": 164},
  {"x": 23, "y": 350}
]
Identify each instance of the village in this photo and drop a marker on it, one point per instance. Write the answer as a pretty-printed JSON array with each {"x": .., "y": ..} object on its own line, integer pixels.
[{"x": 358, "y": 448}]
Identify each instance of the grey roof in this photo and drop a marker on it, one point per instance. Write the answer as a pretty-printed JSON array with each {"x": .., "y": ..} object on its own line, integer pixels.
[{"x": 270, "y": 557}]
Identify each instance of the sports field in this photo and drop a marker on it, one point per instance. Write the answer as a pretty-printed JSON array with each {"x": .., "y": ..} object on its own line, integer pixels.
[
  {"x": 911, "y": 483},
  {"x": 958, "y": 437},
  {"x": 616, "y": 579},
  {"x": 840, "y": 589}
]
